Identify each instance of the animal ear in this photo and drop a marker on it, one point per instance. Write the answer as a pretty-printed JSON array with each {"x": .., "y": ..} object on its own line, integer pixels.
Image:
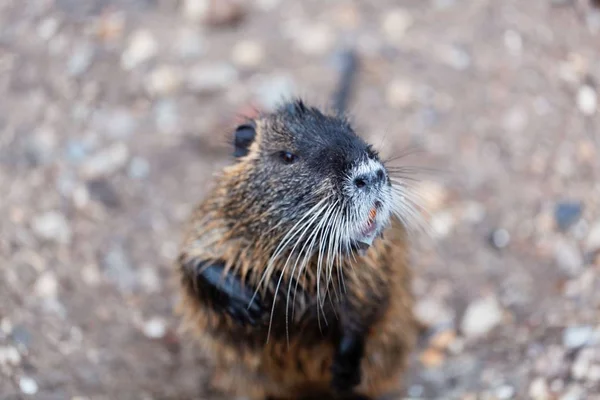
[{"x": 244, "y": 136}]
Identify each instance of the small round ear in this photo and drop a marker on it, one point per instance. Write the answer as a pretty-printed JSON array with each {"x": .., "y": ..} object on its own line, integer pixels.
[{"x": 244, "y": 136}]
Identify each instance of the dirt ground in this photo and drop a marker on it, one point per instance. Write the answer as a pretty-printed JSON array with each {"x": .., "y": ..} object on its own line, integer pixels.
[{"x": 115, "y": 113}]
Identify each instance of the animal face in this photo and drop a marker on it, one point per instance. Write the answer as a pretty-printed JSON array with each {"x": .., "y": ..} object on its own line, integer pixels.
[{"x": 318, "y": 180}]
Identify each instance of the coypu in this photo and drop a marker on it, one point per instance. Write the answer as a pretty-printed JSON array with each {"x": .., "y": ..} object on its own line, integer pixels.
[{"x": 294, "y": 269}]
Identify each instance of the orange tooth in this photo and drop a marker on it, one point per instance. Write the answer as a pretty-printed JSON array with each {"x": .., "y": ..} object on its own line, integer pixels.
[{"x": 373, "y": 213}]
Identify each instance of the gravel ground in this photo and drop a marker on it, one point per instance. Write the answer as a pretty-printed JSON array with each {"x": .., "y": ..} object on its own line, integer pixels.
[{"x": 115, "y": 113}]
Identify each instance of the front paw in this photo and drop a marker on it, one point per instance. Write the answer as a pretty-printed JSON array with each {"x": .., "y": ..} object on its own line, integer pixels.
[
  {"x": 245, "y": 311},
  {"x": 346, "y": 376}
]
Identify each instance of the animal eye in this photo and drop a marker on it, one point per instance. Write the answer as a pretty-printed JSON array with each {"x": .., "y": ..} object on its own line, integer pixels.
[{"x": 287, "y": 157}]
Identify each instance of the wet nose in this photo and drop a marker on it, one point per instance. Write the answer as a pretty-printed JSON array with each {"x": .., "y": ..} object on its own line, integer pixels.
[{"x": 374, "y": 178}]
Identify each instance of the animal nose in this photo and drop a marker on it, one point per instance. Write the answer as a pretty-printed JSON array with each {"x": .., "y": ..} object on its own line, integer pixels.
[{"x": 370, "y": 179}]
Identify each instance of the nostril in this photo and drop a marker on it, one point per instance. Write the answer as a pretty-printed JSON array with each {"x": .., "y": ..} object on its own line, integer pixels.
[
  {"x": 360, "y": 182},
  {"x": 380, "y": 175}
]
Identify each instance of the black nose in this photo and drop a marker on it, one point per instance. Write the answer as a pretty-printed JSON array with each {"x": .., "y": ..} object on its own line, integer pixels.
[{"x": 370, "y": 179}]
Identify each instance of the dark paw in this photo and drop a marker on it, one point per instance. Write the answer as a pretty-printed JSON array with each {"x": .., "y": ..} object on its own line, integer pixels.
[
  {"x": 245, "y": 311},
  {"x": 227, "y": 294},
  {"x": 345, "y": 376}
]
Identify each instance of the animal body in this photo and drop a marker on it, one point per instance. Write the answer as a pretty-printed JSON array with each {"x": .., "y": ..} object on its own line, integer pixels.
[{"x": 294, "y": 269}]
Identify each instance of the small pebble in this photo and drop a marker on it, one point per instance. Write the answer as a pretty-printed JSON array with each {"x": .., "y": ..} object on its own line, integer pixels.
[
  {"x": 149, "y": 279},
  {"x": 557, "y": 385},
  {"x": 247, "y": 53},
  {"x": 315, "y": 39},
  {"x": 593, "y": 373},
  {"x": 52, "y": 226},
  {"x": 432, "y": 358},
  {"x": 575, "y": 337},
  {"x": 47, "y": 28},
  {"x": 155, "y": 328},
  {"x": 164, "y": 80},
  {"x": 500, "y": 238},
  {"x": 9, "y": 356},
  {"x": 80, "y": 60},
  {"x": 119, "y": 123},
  {"x": 141, "y": 47},
  {"x": 513, "y": 42},
  {"x": 90, "y": 275},
  {"x": 433, "y": 312},
  {"x": 102, "y": 190},
  {"x": 592, "y": 242},
  {"x": 399, "y": 93},
  {"x": 566, "y": 214},
  {"x": 28, "y": 386},
  {"x": 574, "y": 392},
  {"x": 190, "y": 44},
  {"x": 542, "y": 106},
  {"x": 573, "y": 69},
  {"x": 416, "y": 391},
  {"x": 166, "y": 116},
  {"x": 139, "y": 168},
  {"x": 106, "y": 162},
  {"x": 21, "y": 336},
  {"x": 209, "y": 78},
  {"x": 581, "y": 366},
  {"x": 481, "y": 317},
  {"x": 505, "y": 392},
  {"x": 443, "y": 4},
  {"x": 455, "y": 57},
  {"x": 195, "y": 10},
  {"x": 46, "y": 285},
  {"x": 568, "y": 257},
  {"x": 538, "y": 389},
  {"x": 473, "y": 212},
  {"x": 593, "y": 19},
  {"x": 268, "y": 5},
  {"x": 118, "y": 268},
  {"x": 434, "y": 195},
  {"x": 587, "y": 100},
  {"x": 76, "y": 151},
  {"x": 560, "y": 3},
  {"x": 516, "y": 119},
  {"x": 225, "y": 13},
  {"x": 396, "y": 23},
  {"x": 6, "y": 326},
  {"x": 442, "y": 224},
  {"x": 81, "y": 197},
  {"x": 41, "y": 146},
  {"x": 110, "y": 26},
  {"x": 443, "y": 340}
]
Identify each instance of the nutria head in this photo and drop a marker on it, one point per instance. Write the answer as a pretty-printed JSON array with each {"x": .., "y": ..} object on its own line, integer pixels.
[{"x": 307, "y": 178}]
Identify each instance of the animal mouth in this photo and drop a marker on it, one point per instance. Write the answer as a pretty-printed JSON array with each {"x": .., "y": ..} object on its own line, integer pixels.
[
  {"x": 371, "y": 222},
  {"x": 369, "y": 231}
]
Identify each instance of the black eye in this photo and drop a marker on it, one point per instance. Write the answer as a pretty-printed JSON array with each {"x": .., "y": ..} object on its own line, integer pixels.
[{"x": 287, "y": 157}]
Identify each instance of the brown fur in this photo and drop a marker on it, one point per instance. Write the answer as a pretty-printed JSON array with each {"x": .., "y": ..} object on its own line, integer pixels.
[{"x": 229, "y": 225}]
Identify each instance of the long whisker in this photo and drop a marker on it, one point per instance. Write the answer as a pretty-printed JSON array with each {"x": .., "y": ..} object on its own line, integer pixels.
[
  {"x": 311, "y": 239},
  {"x": 324, "y": 236},
  {"x": 283, "y": 244},
  {"x": 406, "y": 205},
  {"x": 405, "y": 153},
  {"x": 307, "y": 225},
  {"x": 330, "y": 253}
]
